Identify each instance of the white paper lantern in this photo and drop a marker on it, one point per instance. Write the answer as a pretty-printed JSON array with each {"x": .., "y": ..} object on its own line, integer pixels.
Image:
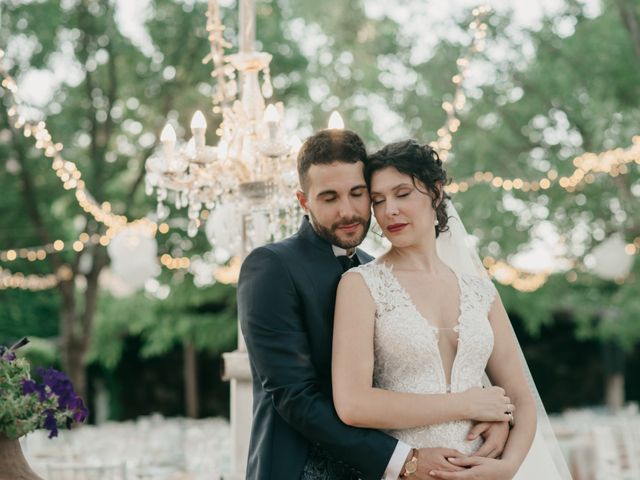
[
  {"x": 134, "y": 256},
  {"x": 609, "y": 260},
  {"x": 113, "y": 284}
]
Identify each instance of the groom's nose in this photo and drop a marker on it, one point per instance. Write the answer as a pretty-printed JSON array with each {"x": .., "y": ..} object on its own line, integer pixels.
[{"x": 345, "y": 210}]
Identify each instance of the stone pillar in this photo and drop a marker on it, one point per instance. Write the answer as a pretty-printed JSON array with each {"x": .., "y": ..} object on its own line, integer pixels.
[{"x": 237, "y": 370}]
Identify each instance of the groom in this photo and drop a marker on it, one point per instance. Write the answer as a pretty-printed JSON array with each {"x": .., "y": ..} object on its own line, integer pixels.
[{"x": 286, "y": 297}]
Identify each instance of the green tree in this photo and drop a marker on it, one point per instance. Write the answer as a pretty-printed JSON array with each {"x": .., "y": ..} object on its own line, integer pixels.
[
  {"x": 568, "y": 88},
  {"x": 107, "y": 118}
]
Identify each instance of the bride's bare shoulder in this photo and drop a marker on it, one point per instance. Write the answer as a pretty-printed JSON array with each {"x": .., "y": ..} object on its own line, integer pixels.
[
  {"x": 353, "y": 277},
  {"x": 354, "y": 292},
  {"x": 355, "y": 281}
]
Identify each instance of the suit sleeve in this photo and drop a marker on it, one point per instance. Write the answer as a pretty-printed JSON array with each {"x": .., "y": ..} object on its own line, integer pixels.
[{"x": 270, "y": 314}]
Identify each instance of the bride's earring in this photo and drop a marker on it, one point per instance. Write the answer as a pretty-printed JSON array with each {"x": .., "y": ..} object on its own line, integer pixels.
[{"x": 437, "y": 222}]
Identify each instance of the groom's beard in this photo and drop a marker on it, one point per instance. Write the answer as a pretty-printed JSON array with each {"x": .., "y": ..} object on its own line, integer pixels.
[{"x": 330, "y": 233}]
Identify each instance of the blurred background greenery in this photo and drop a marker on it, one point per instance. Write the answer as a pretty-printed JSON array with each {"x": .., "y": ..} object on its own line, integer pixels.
[{"x": 537, "y": 97}]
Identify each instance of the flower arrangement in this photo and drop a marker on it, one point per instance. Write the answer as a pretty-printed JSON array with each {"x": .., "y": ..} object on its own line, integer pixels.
[{"x": 26, "y": 405}]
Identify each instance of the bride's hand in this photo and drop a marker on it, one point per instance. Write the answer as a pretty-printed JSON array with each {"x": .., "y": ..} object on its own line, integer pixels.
[
  {"x": 495, "y": 435},
  {"x": 477, "y": 468},
  {"x": 488, "y": 404}
]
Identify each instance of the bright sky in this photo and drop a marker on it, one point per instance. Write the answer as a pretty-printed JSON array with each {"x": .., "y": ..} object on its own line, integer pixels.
[{"x": 426, "y": 20}]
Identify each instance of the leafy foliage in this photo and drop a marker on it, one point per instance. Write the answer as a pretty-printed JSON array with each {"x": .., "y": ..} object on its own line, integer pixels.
[
  {"x": 207, "y": 317},
  {"x": 542, "y": 97}
]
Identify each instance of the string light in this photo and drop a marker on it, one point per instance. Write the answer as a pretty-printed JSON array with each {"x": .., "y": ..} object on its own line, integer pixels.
[
  {"x": 67, "y": 171},
  {"x": 175, "y": 263},
  {"x": 587, "y": 166},
  {"x": 524, "y": 281},
  {"x": 41, "y": 252},
  {"x": 227, "y": 275},
  {"x": 33, "y": 282},
  {"x": 519, "y": 279},
  {"x": 612, "y": 162},
  {"x": 478, "y": 28}
]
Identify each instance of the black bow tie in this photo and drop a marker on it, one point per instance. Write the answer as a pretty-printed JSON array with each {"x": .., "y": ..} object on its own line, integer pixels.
[{"x": 348, "y": 262}]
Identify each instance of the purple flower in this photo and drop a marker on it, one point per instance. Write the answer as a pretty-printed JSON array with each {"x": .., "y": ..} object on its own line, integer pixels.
[
  {"x": 61, "y": 386},
  {"x": 81, "y": 412},
  {"x": 8, "y": 356},
  {"x": 29, "y": 387},
  {"x": 50, "y": 423}
]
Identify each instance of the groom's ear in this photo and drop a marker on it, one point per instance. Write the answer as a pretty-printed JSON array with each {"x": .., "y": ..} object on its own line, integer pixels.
[{"x": 302, "y": 200}]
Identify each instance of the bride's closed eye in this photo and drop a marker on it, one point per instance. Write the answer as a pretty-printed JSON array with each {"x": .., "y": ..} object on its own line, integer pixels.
[{"x": 378, "y": 201}]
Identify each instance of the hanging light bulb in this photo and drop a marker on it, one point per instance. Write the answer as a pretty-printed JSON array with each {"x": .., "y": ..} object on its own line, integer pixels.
[
  {"x": 271, "y": 114},
  {"x": 168, "y": 139},
  {"x": 271, "y": 118},
  {"x": 198, "y": 128},
  {"x": 336, "y": 121},
  {"x": 168, "y": 134}
]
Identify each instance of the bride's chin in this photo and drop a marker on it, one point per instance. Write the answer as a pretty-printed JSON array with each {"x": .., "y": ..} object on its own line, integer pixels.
[{"x": 400, "y": 243}]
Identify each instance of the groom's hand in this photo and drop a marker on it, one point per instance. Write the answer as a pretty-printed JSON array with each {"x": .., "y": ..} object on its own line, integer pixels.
[
  {"x": 435, "y": 459},
  {"x": 495, "y": 436}
]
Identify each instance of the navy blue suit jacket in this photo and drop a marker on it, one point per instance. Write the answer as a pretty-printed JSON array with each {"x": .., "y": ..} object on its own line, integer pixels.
[{"x": 286, "y": 299}]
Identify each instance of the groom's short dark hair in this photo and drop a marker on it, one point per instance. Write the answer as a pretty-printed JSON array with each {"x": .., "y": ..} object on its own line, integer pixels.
[{"x": 328, "y": 146}]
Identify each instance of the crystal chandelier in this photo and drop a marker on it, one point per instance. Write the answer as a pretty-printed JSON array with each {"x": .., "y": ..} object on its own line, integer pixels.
[{"x": 243, "y": 185}]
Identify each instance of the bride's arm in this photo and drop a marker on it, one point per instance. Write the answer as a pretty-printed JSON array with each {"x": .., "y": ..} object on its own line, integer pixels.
[
  {"x": 360, "y": 404},
  {"x": 505, "y": 369}
]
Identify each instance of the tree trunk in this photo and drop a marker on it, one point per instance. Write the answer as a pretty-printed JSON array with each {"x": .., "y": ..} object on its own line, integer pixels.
[
  {"x": 631, "y": 23},
  {"x": 70, "y": 348},
  {"x": 614, "y": 370},
  {"x": 191, "y": 379},
  {"x": 614, "y": 393},
  {"x": 71, "y": 339}
]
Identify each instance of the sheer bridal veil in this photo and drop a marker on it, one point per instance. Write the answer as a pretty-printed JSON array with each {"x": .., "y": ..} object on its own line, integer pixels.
[{"x": 545, "y": 459}]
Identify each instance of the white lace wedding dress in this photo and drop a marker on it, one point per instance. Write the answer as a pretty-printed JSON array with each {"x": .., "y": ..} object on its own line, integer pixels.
[{"x": 407, "y": 358}]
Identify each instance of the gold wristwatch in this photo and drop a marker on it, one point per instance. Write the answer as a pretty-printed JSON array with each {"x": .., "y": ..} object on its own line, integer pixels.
[{"x": 411, "y": 465}]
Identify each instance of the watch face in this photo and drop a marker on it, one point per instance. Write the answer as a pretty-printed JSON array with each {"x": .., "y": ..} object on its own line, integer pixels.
[{"x": 412, "y": 466}]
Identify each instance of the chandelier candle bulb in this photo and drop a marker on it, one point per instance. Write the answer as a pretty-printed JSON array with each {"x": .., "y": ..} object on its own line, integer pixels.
[
  {"x": 336, "y": 121},
  {"x": 168, "y": 139},
  {"x": 271, "y": 118},
  {"x": 198, "y": 128}
]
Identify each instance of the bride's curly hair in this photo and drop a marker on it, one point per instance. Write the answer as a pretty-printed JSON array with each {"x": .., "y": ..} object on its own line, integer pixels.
[{"x": 420, "y": 162}]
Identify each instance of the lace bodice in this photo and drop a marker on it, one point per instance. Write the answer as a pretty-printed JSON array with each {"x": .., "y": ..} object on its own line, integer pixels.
[{"x": 407, "y": 357}]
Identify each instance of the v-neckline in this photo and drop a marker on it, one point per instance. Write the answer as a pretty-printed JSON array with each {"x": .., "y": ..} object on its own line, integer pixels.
[
  {"x": 413, "y": 305},
  {"x": 456, "y": 328}
]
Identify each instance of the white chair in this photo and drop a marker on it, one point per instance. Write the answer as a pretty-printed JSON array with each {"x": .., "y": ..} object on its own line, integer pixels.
[
  {"x": 628, "y": 435},
  {"x": 606, "y": 453},
  {"x": 79, "y": 471}
]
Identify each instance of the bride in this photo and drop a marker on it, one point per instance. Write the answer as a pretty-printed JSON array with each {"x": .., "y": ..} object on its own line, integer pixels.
[{"x": 416, "y": 330}]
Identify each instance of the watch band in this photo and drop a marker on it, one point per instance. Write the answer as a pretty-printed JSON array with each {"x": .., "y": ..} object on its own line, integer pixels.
[{"x": 411, "y": 465}]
